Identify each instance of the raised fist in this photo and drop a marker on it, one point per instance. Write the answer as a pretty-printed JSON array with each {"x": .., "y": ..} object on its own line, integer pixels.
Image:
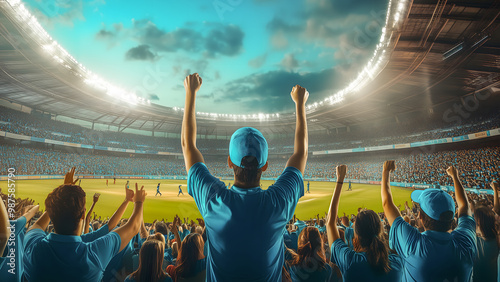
[
  {"x": 299, "y": 94},
  {"x": 193, "y": 83},
  {"x": 341, "y": 172},
  {"x": 389, "y": 166},
  {"x": 452, "y": 171}
]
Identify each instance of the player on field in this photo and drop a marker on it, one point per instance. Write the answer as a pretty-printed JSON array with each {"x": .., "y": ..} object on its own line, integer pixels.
[
  {"x": 180, "y": 191},
  {"x": 106, "y": 182},
  {"x": 308, "y": 188},
  {"x": 127, "y": 185},
  {"x": 158, "y": 190},
  {"x": 350, "y": 186},
  {"x": 236, "y": 252}
]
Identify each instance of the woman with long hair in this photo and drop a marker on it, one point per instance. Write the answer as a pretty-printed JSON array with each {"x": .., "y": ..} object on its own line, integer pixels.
[
  {"x": 309, "y": 263},
  {"x": 371, "y": 259},
  {"x": 191, "y": 263},
  {"x": 486, "y": 264},
  {"x": 151, "y": 261}
]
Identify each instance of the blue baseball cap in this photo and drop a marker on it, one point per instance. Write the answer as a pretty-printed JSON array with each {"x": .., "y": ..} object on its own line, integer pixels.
[
  {"x": 434, "y": 202},
  {"x": 248, "y": 141}
]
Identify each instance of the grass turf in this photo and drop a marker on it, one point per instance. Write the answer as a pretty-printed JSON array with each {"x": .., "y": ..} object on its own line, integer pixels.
[{"x": 167, "y": 205}]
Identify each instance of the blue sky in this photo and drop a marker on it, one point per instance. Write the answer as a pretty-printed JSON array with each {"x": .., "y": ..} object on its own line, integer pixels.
[{"x": 250, "y": 53}]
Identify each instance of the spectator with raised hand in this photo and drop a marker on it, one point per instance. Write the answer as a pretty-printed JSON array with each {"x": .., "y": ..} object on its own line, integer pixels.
[
  {"x": 151, "y": 261},
  {"x": 371, "y": 259},
  {"x": 488, "y": 239},
  {"x": 86, "y": 226},
  {"x": 123, "y": 261},
  {"x": 191, "y": 263},
  {"x": 436, "y": 254},
  {"x": 309, "y": 262},
  {"x": 228, "y": 212},
  {"x": 63, "y": 256}
]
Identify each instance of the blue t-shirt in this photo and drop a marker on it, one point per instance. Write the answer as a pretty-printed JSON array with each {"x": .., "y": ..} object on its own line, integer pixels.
[
  {"x": 237, "y": 252},
  {"x": 91, "y": 236},
  {"x": 486, "y": 264},
  {"x": 435, "y": 256},
  {"x": 122, "y": 263},
  {"x": 291, "y": 240},
  {"x": 57, "y": 257},
  {"x": 355, "y": 267},
  {"x": 316, "y": 273},
  {"x": 12, "y": 267}
]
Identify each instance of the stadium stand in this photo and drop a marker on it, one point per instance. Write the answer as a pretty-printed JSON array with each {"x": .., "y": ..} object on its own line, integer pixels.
[{"x": 415, "y": 168}]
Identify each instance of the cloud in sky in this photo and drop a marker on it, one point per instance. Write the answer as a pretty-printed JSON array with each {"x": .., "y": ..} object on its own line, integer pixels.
[
  {"x": 289, "y": 62},
  {"x": 270, "y": 92},
  {"x": 257, "y": 62},
  {"x": 65, "y": 12},
  {"x": 210, "y": 38},
  {"x": 352, "y": 29},
  {"x": 141, "y": 53}
]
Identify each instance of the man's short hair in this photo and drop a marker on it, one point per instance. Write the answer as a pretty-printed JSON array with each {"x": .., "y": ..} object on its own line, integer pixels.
[
  {"x": 437, "y": 225},
  {"x": 250, "y": 173},
  {"x": 66, "y": 206},
  {"x": 161, "y": 228}
]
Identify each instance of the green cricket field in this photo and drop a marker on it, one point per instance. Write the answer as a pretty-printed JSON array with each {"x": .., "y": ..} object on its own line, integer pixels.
[{"x": 170, "y": 203}]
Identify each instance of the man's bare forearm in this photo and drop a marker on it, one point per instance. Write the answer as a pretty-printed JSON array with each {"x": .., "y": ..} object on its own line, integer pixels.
[
  {"x": 86, "y": 226},
  {"x": 496, "y": 201},
  {"x": 188, "y": 130},
  {"x": 42, "y": 222},
  {"x": 131, "y": 228},
  {"x": 113, "y": 221},
  {"x": 301, "y": 137},
  {"x": 299, "y": 157},
  {"x": 462, "y": 201},
  {"x": 31, "y": 213},
  {"x": 191, "y": 154},
  {"x": 331, "y": 224},
  {"x": 390, "y": 209}
]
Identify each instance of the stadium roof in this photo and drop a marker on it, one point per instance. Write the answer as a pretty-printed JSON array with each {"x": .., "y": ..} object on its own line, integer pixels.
[{"x": 442, "y": 52}]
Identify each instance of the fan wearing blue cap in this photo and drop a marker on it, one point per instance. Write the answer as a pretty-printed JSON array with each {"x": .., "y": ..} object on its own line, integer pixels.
[
  {"x": 438, "y": 254},
  {"x": 245, "y": 224}
]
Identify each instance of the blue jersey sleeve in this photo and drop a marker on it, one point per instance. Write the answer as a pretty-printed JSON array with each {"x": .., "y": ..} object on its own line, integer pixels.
[
  {"x": 403, "y": 238},
  {"x": 202, "y": 186},
  {"x": 31, "y": 239},
  {"x": 105, "y": 248},
  {"x": 288, "y": 189},
  {"x": 342, "y": 255},
  {"x": 89, "y": 237},
  {"x": 465, "y": 237}
]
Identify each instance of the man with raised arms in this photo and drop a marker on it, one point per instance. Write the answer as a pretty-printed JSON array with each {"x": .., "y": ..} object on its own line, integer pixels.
[{"x": 235, "y": 251}]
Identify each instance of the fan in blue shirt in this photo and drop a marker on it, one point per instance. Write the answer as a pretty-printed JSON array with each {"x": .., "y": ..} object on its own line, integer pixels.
[
  {"x": 237, "y": 252},
  {"x": 370, "y": 260},
  {"x": 13, "y": 268},
  {"x": 436, "y": 254},
  {"x": 64, "y": 255}
]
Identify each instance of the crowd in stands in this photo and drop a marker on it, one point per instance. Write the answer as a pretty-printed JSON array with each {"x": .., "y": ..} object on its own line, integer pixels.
[
  {"x": 386, "y": 134},
  {"x": 483, "y": 164},
  {"x": 173, "y": 250},
  {"x": 251, "y": 234}
]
